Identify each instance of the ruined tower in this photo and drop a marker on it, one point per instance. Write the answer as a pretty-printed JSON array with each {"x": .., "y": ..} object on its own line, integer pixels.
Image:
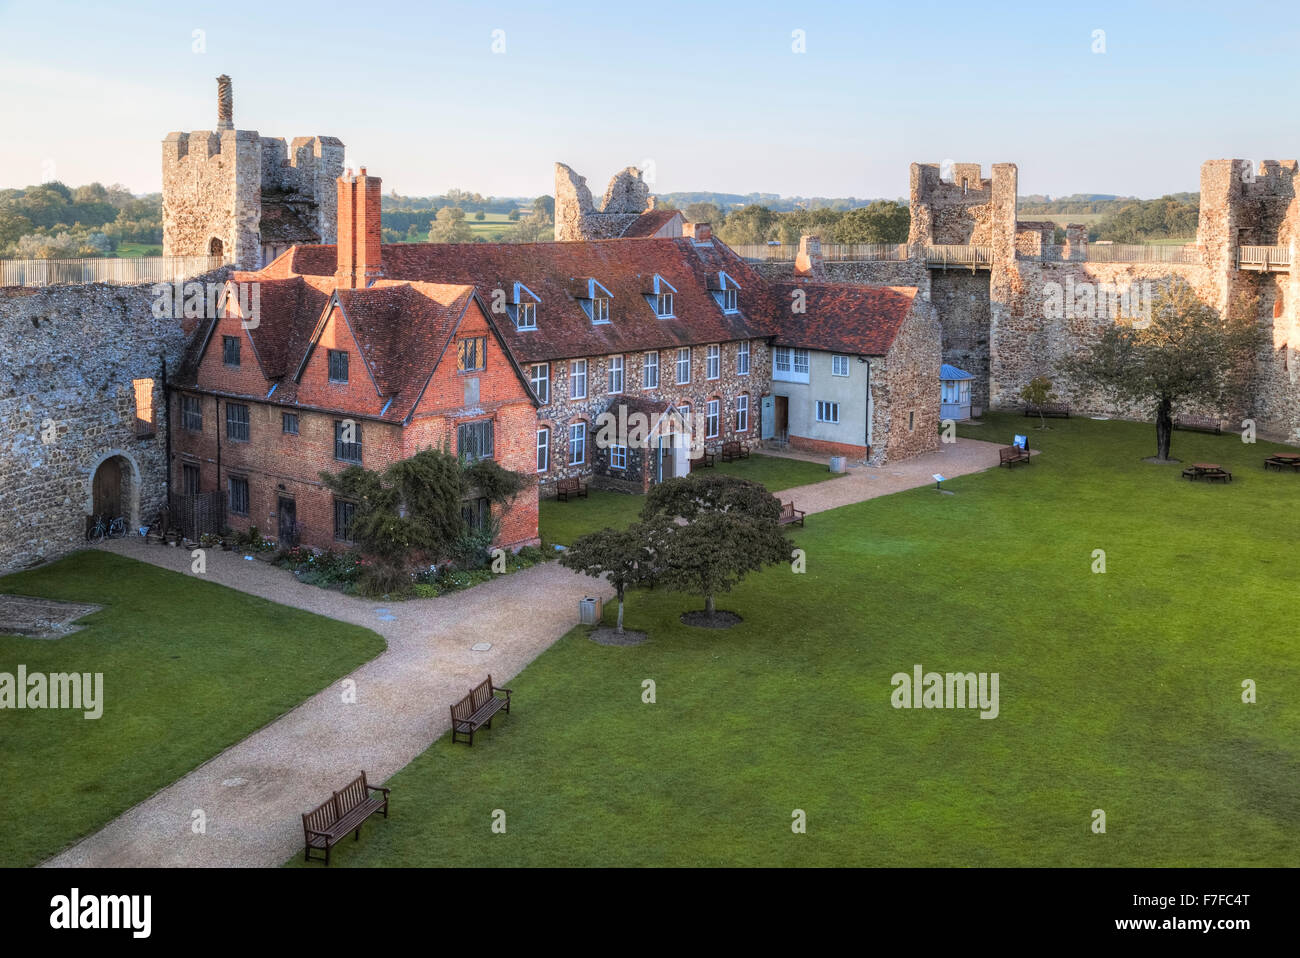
[
  {"x": 248, "y": 198},
  {"x": 578, "y": 218}
]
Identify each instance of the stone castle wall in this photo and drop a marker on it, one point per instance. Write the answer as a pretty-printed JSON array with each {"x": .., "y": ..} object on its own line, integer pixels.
[{"x": 68, "y": 359}]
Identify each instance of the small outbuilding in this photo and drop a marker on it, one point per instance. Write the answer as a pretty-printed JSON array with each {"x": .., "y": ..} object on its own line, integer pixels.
[{"x": 954, "y": 401}]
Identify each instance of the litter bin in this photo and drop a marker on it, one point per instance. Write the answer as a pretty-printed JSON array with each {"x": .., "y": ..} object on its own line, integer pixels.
[
  {"x": 837, "y": 464},
  {"x": 589, "y": 611}
]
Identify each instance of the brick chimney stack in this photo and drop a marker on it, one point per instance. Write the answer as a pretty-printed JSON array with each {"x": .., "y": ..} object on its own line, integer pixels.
[
  {"x": 360, "y": 259},
  {"x": 700, "y": 232},
  {"x": 808, "y": 262}
]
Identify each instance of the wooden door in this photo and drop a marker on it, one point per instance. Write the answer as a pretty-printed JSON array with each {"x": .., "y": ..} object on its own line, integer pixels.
[
  {"x": 782, "y": 417},
  {"x": 288, "y": 513},
  {"x": 108, "y": 489}
]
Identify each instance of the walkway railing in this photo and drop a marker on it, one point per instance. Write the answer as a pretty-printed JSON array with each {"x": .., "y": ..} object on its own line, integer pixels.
[
  {"x": 120, "y": 272},
  {"x": 1264, "y": 259},
  {"x": 831, "y": 253},
  {"x": 969, "y": 257}
]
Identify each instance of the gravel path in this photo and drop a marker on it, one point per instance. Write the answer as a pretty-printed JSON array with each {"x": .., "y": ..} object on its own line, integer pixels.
[
  {"x": 866, "y": 482},
  {"x": 401, "y": 707}
]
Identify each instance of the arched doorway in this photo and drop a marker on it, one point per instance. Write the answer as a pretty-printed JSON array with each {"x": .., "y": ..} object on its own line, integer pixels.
[
  {"x": 107, "y": 489},
  {"x": 113, "y": 488},
  {"x": 216, "y": 247}
]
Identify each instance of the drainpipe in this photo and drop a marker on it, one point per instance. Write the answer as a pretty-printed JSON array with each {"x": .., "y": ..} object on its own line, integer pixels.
[
  {"x": 217, "y": 417},
  {"x": 167, "y": 412},
  {"x": 868, "y": 362}
]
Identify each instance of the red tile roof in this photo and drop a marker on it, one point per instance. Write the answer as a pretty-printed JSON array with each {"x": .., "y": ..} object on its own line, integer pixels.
[
  {"x": 550, "y": 270},
  {"x": 841, "y": 318},
  {"x": 649, "y": 223}
]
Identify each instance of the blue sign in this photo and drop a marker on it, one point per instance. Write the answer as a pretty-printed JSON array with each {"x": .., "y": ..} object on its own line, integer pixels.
[{"x": 1021, "y": 442}]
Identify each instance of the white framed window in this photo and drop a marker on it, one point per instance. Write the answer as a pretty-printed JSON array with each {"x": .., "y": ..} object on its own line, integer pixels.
[
  {"x": 616, "y": 374},
  {"x": 683, "y": 365},
  {"x": 713, "y": 362},
  {"x": 600, "y": 309},
  {"x": 790, "y": 365},
  {"x": 828, "y": 411},
  {"x": 618, "y": 457},
  {"x": 742, "y": 413},
  {"x": 650, "y": 371},
  {"x": 729, "y": 300},
  {"x": 540, "y": 377},
  {"x": 742, "y": 359},
  {"x": 543, "y": 449},
  {"x": 526, "y": 316},
  {"x": 839, "y": 365},
  {"x": 578, "y": 379},
  {"x": 711, "y": 419},
  {"x": 664, "y": 305},
  {"x": 577, "y": 443}
]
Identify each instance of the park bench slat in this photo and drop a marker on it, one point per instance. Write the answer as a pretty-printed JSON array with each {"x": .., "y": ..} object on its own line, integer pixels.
[
  {"x": 476, "y": 709},
  {"x": 344, "y": 811}
]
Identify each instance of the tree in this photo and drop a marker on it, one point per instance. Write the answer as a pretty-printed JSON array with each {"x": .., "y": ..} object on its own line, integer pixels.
[
  {"x": 708, "y": 531},
  {"x": 1186, "y": 351},
  {"x": 883, "y": 221},
  {"x": 480, "y": 216},
  {"x": 623, "y": 556},
  {"x": 703, "y": 213},
  {"x": 1038, "y": 392},
  {"x": 544, "y": 205},
  {"x": 450, "y": 226},
  {"x": 748, "y": 226}
]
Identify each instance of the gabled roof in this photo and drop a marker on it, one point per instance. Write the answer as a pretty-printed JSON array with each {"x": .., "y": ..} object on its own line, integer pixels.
[
  {"x": 555, "y": 271},
  {"x": 649, "y": 223},
  {"x": 402, "y": 329},
  {"x": 841, "y": 318}
]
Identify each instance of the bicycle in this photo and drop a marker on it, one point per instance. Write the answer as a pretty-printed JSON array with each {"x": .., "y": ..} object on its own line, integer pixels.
[{"x": 114, "y": 529}]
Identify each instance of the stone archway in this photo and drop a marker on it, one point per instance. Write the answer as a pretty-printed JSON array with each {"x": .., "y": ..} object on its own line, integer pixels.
[
  {"x": 216, "y": 247},
  {"x": 113, "y": 487}
]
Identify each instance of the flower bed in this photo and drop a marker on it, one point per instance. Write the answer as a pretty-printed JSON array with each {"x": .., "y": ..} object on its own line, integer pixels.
[{"x": 346, "y": 571}]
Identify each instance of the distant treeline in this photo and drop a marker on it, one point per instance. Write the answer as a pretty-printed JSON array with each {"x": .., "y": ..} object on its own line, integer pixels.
[{"x": 54, "y": 221}]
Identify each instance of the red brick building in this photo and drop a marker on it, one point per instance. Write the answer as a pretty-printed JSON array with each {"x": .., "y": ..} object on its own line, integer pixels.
[{"x": 341, "y": 369}]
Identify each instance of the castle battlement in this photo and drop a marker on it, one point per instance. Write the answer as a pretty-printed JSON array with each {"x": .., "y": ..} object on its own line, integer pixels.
[{"x": 282, "y": 195}]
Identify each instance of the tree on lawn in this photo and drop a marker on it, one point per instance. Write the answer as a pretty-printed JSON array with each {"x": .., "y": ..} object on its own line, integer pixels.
[
  {"x": 1038, "y": 392},
  {"x": 1186, "y": 352},
  {"x": 709, "y": 530},
  {"x": 623, "y": 556}
]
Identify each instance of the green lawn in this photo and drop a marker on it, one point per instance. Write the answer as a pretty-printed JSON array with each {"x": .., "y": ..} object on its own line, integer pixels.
[
  {"x": 1118, "y": 691},
  {"x": 189, "y": 668},
  {"x": 562, "y": 522}
]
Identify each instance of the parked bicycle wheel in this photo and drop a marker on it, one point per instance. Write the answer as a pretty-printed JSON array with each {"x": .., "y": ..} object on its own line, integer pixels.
[
  {"x": 117, "y": 528},
  {"x": 100, "y": 531}
]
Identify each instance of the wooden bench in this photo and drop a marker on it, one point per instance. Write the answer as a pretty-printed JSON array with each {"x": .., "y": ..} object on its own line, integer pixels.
[
  {"x": 572, "y": 486},
  {"x": 476, "y": 709},
  {"x": 731, "y": 451},
  {"x": 344, "y": 812},
  {"x": 1208, "y": 471},
  {"x": 1010, "y": 455},
  {"x": 1283, "y": 461},
  {"x": 704, "y": 460},
  {"x": 1051, "y": 410},
  {"x": 790, "y": 515},
  {"x": 1199, "y": 424}
]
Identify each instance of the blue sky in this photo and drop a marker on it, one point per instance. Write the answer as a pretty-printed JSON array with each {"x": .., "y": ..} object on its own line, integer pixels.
[{"x": 710, "y": 94}]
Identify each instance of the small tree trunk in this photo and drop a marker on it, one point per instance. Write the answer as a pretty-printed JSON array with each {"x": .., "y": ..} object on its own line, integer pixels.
[
  {"x": 1164, "y": 427},
  {"x": 708, "y": 606},
  {"x": 619, "y": 630}
]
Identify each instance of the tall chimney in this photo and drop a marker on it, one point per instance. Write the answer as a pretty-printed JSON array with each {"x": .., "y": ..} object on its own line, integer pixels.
[
  {"x": 225, "y": 104},
  {"x": 360, "y": 259},
  {"x": 808, "y": 261}
]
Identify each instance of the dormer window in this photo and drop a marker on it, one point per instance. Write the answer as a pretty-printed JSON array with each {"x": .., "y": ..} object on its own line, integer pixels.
[
  {"x": 594, "y": 298},
  {"x": 523, "y": 307},
  {"x": 726, "y": 292},
  {"x": 659, "y": 294}
]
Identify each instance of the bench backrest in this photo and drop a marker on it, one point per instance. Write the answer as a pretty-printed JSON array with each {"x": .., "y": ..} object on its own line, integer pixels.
[
  {"x": 321, "y": 817},
  {"x": 351, "y": 795},
  {"x": 566, "y": 485},
  {"x": 482, "y": 693},
  {"x": 787, "y": 510}
]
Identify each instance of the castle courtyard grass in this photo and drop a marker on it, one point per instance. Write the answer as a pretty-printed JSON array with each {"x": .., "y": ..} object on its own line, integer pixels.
[
  {"x": 562, "y": 522},
  {"x": 189, "y": 668},
  {"x": 1119, "y": 691}
]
